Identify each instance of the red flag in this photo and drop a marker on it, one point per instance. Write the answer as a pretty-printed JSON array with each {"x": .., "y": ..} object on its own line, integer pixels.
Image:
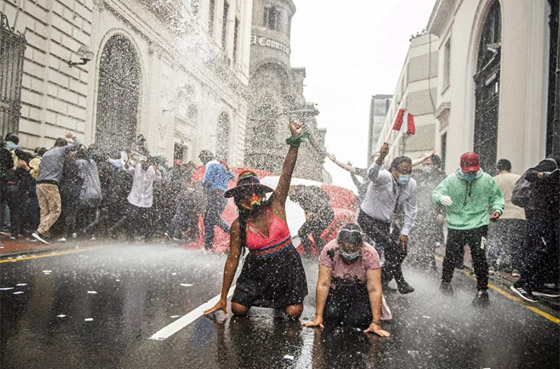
[{"x": 408, "y": 119}]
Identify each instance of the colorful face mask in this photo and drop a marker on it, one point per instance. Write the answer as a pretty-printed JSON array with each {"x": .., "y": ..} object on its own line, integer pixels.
[{"x": 253, "y": 203}]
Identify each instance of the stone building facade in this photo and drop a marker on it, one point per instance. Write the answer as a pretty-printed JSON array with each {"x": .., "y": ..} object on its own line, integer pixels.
[
  {"x": 498, "y": 80},
  {"x": 175, "y": 71},
  {"x": 378, "y": 109},
  {"x": 276, "y": 95},
  {"x": 416, "y": 93}
]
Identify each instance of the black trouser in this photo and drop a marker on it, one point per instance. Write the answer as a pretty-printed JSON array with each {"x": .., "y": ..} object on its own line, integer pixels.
[
  {"x": 456, "y": 240},
  {"x": 348, "y": 305},
  {"x": 213, "y": 217},
  {"x": 316, "y": 225},
  {"x": 86, "y": 217},
  {"x": 13, "y": 199},
  {"x": 139, "y": 218},
  {"x": 184, "y": 218},
  {"x": 541, "y": 263},
  {"x": 379, "y": 232}
]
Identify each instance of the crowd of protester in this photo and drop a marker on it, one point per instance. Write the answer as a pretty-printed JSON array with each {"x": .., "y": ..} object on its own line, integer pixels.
[
  {"x": 467, "y": 208},
  {"x": 509, "y": 222},
  {"x": 71, "y": 190}
]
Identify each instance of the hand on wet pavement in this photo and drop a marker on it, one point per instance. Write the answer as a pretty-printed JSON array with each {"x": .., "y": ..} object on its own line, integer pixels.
[
  {"x": 376, "y": 328},
  {"x": 317, "y": 322},
  {"x": 220, "y": 305}
]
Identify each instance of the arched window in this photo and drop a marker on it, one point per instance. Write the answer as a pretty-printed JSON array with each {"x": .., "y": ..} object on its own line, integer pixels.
[
  {"x": 487, "y": 81},
  {"x": 222, "y": 137},
  {"x": 118, "y": 93}
]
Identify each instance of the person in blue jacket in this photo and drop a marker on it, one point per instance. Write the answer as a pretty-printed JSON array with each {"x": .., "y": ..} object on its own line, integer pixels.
[{"x": 216, "y": 177}]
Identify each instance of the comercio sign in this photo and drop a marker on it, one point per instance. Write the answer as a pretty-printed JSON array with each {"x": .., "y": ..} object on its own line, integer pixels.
[{"x": 266, "y": 42}]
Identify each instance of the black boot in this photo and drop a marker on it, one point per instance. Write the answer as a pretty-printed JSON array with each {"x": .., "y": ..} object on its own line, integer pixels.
[
  {"x": 404, "y": 287},
  {"x": 481, "y": 298}
]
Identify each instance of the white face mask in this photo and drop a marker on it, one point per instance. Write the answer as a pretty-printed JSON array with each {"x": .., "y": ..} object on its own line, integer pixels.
[{"x": 351, "y": 256}]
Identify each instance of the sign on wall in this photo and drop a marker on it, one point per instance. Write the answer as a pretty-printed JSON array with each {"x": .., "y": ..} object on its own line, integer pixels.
[{"x": 267, "y": 42}]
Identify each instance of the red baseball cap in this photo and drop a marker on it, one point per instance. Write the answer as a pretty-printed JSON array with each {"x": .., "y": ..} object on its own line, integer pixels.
[{"x": 469, "y": 162}]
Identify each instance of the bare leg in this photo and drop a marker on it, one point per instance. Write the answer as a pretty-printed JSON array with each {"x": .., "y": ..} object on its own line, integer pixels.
[
  {"x": 238, "y": 309},
  {"x": 293, "y": 311}
]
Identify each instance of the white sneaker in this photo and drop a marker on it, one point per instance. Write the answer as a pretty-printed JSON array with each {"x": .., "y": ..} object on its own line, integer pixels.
[
  {"x": 38, "y": 237},
  {"x": 92, "y": 238},
  {"x": 74, "y": 235},
  {"x": 62, "y": 239},
  {"x": 515, "y": 273}
]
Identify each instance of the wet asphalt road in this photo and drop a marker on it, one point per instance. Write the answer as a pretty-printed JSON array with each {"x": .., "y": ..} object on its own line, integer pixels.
[{"x": 98, "y": 308}]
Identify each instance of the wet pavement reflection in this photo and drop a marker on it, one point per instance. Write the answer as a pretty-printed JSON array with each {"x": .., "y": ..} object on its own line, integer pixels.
[{"x": 98, "y": 309}]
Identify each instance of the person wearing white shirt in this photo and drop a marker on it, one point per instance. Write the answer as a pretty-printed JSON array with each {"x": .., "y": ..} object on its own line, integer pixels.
[
  {"x": 391, "y": 193},
  {"x": 141, "y": 198}
]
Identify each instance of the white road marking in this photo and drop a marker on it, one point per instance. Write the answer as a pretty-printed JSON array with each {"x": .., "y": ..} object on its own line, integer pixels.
[{"x": 187, "y": 319}]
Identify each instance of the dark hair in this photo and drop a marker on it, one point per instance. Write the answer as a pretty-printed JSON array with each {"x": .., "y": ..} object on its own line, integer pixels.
[
  {"x": 40, "y": 151},
  {"x": 23, "y": 155},
  {"x": 436, "y": 161},
  {"x": 243, "y": 215},
  {"x": 504, "y": 164},
  {"x": 398, "y": 161},
  {"x": 12, "y": 137},
  {"x": 205, "y": 156},
  {"x": 60, "y": 142}
]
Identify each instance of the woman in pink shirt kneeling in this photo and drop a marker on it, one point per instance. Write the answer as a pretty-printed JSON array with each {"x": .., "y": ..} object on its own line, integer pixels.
[{"x": 349, "y": 289}]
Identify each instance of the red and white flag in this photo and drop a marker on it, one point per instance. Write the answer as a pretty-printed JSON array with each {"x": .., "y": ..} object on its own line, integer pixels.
[{"x": 404, "y": 122}]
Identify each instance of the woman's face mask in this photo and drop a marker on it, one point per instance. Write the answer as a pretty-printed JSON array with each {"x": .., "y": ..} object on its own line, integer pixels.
[
  {"x": 428, "y": 170},
  {"x": 253, "y": 202},
  {"x": 351, "y": 256},
  {"x": 350, "y": 251},
  {"x": 403, "y": 179}
]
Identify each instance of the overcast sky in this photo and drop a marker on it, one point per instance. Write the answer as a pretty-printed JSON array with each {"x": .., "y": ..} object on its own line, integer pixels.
[{"x": 351, "y": 52}]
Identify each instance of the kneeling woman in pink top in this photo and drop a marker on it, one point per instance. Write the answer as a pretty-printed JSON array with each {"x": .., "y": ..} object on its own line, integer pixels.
[
  {"x": 272, "y": 274},
  {"x": 349, "y": 286}
]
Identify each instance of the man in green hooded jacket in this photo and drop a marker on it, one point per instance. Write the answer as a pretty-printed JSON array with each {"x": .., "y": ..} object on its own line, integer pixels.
[{"x": 469, "y": 195}]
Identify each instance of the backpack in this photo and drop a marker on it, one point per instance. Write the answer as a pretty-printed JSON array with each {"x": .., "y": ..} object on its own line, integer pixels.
[{"x": 524, "y": 190}]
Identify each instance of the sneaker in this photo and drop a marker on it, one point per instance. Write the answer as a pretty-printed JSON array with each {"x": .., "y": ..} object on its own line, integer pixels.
[
  {"x": 545, "y": 291},
  {"x": 405, "y": 288},
  {"x": 524, "y": 293},
  {"x": 92, "y": 238},
  {"x": 13, "y": 238},
  {"x": 5, "y": 233},
  {"x": 491, "y": 270},
  {"x": 481, "y": 298},
  {"x": 39, "y": 237},
  {"x": 62, "y": 239},
  {"x": 446, "y": 288},
  {"x": 515, "y": 273},
  {"x": 74, "y": 235}
]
